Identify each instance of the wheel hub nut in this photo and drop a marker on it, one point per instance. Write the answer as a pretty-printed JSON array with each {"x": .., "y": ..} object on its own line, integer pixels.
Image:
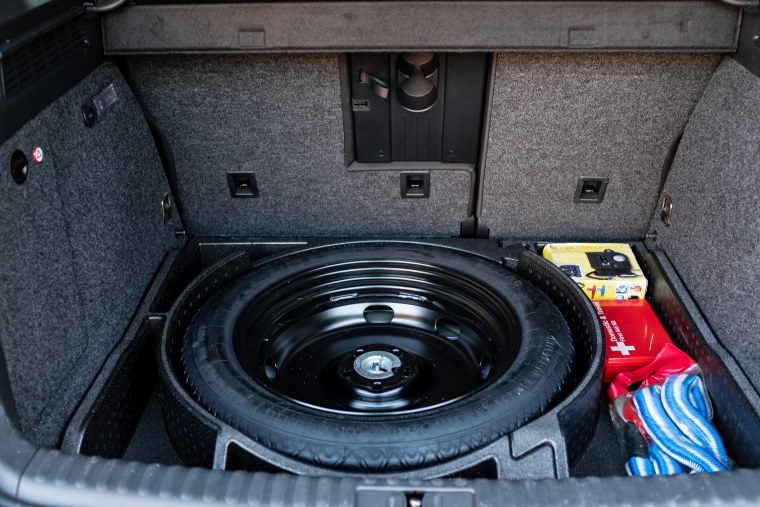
[{"x": 377, "y": 364}]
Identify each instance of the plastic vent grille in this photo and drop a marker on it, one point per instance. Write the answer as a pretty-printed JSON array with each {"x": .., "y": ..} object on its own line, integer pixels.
[{"x": 37, "y": 58}]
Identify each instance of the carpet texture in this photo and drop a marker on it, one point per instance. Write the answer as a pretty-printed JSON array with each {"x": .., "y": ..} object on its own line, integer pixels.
[
  {"x": 279, "y": 117},
  {"x": 714, "y": 238},
  {"x": 559, "y": 117},
  {"x": 82, "y": 238}
]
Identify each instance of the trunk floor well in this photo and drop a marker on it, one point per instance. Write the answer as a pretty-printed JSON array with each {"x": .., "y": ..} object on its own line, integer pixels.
[
  {"x": 603, "y": 456},
  {"x": 193, "y": 259}
]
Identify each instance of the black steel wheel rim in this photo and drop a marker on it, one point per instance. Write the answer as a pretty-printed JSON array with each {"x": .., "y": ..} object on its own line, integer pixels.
[{"x": 376, "y": 337}]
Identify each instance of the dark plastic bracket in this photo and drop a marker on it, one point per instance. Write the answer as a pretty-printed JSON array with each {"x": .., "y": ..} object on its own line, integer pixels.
[
  {"x": 748, "y": 51},
  {"x": 474, "y": 227},
  {"x": 416, "y": 106},
  {"x": 415, "y": 185},
  {"x": 242, "y": 184},
  {"x": 590, "y": 190},
  {"x": 125, "y": 381}
]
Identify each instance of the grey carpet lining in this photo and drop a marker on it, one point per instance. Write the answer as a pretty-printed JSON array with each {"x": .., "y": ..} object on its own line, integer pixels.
[
  {"x": 559, "y": 117},
  {"x": 280, "y": 117},
  {"x": 82, "y": 239},
  {"x": 714, "y": 239}
]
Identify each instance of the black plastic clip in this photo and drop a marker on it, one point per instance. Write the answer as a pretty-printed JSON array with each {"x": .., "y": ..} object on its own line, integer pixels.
[{"x": 378, "y": 86}]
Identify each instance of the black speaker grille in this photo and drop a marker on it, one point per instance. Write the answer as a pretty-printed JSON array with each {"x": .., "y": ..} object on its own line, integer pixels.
[{"x": 32, "y": 61}]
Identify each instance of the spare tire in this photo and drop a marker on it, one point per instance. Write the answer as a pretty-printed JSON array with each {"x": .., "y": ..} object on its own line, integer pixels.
[{"x": 377, "y": 357}]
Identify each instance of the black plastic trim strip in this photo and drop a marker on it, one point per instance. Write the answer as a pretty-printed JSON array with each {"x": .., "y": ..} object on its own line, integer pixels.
[
  {"x": 481, "y": 228},
  {"x": 55, "y": 478},
  {"x": 671, "y": 25}
]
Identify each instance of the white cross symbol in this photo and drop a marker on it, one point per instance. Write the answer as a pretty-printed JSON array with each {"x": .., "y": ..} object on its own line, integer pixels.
[{"x": 623, "y": 348}]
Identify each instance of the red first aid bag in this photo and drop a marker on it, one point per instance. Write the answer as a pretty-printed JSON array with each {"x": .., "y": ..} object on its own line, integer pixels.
[
  {"x": 669, "y": 361},
  {"x": 634, "y": 335}
]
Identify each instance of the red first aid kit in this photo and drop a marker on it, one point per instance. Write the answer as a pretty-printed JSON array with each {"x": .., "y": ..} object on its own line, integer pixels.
[{"x": 634, "y": 335}]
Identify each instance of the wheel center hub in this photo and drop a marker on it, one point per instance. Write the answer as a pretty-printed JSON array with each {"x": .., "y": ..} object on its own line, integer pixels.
[
  {"x": 377, "y": 371},
  {"x": 377, "y": 364}
]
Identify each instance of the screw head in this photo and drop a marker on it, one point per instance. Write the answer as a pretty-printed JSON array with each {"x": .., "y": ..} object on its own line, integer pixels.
[{"x": 756, "y": 40}]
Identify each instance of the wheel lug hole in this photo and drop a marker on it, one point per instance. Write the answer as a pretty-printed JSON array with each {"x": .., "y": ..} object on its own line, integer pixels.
[{"x": 347, "y": 372}]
